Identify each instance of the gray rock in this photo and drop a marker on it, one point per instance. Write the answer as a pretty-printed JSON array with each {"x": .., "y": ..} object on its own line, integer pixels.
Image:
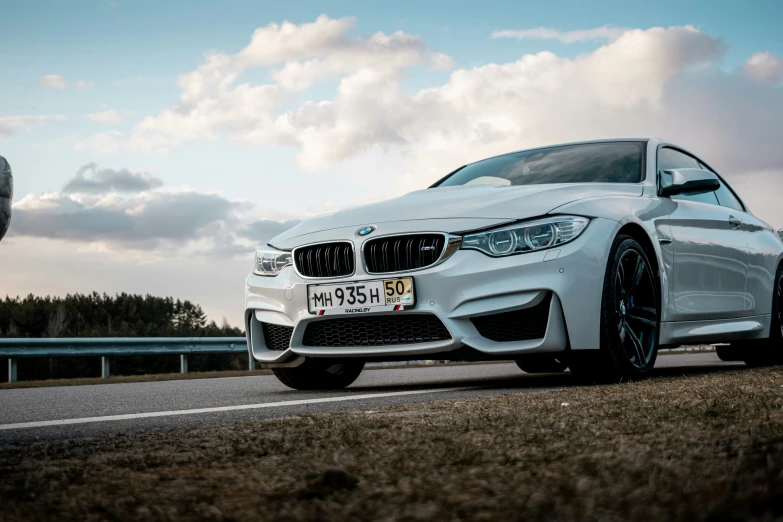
[
  {"x": 6, "y": 195},
  {"x": 336, "y": 478}
]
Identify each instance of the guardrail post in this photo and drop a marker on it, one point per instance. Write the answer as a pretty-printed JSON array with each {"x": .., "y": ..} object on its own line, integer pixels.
[
  {"x": 183, "y": 363},
  {"x": 11, "y": 370},
  {"x": 105, "y": 367},
  {"x": 251, "y": 362}
]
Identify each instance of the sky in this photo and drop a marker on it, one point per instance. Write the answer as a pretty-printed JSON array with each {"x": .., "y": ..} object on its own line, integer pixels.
[{"x": 155, "y": 144}]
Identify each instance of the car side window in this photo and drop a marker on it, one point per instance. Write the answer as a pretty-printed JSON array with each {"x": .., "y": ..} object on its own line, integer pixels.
[
  {"x": 727, "y": 199},
  {"x": 674, "y": 159}
]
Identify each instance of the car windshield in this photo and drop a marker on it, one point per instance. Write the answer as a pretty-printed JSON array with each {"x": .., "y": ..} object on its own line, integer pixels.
[{"x": 612, "y": 162}]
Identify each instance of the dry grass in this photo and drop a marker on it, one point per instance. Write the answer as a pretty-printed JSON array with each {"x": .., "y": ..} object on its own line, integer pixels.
[{"x": 704, "y": 447}]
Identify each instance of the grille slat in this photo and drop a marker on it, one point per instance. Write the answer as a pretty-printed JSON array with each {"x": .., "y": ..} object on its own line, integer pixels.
[
  {"x": 519, "y": 325},
  {"x": 325, "y": 260},
  {"x": 401, "y": 253},
  {"x": 277, "y": 337},
  {"x": 376, "y": 331}
]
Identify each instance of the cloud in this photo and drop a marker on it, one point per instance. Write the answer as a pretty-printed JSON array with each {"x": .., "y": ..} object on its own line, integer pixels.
[
  {"x": 538, "y": 99},
  {"x": 212, "y": 105},
  {"x": 81, "y": 84},
  {"x": 89, "y": 179},
  {"x": 52, "y": 80},
  {"x": 9, "y": 124},
  {"x": 496, "y": 105},
  {"x": 122, "y": 211},
  {"x": 764, "y": 68},
  {"x": 109, "y": 116},
  {"x": 604, "y": 33},
  {"x": 144, "y": 221}
]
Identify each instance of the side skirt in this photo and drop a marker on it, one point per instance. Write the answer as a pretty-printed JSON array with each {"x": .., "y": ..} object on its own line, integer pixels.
[{"x": 720, "y": 330}]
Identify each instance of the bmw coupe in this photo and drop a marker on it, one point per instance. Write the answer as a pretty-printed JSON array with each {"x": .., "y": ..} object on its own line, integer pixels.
[{"x": 587, "y": 256}]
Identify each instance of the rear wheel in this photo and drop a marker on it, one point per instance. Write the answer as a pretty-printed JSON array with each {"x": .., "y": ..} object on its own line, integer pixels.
[
  {"x": 542, "y": 363},
  {"x": 629, "y": 319},
  {"x": 768, "y": 352},
  {"x": 320, "y": 374}
]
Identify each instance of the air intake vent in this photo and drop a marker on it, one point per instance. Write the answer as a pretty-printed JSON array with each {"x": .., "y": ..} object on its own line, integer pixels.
[
  {"x": 325, "y": 260},
  {"x": 383, "y": 330},
  {"x": 401, "y": 253},
  {"x": 519, "y": 325},
  {"x": 277, "y": 337}
]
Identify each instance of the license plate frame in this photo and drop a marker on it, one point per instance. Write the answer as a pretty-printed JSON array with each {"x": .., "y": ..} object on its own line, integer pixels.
[{"x": 400, "y": 300}]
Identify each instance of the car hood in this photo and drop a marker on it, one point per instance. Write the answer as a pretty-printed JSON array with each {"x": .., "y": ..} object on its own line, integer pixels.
[{"x": 450, "y": 209}]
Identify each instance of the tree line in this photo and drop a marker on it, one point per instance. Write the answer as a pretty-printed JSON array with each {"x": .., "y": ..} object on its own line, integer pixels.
[{"x": 121, "y": 315}]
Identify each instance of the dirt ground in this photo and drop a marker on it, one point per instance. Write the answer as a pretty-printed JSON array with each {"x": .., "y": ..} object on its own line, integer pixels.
[{"x": 703, "y": 447}]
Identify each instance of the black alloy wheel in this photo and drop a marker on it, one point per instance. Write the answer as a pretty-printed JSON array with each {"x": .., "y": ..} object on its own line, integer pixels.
[
  {"x": 636, "y": 308},
  {"x": 629, "y": 319},
  {"x": 767, "y": 352}
]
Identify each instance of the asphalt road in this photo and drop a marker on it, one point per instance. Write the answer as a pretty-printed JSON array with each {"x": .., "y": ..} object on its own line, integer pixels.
[{"x": 66, "y": 412}]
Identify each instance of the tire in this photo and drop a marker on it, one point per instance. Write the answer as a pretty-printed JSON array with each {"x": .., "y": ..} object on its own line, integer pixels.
[
  {"x": 320, "y": 374},
  {"x": 768, "y": 352},
  {"x": 630, "y": 319},
  {"x": 728, "y": 353},
  {"x": 542, "y": 363}
]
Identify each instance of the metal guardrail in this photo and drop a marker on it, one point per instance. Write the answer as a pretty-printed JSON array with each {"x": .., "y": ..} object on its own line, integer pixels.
[{"x": 106, "y": 347}]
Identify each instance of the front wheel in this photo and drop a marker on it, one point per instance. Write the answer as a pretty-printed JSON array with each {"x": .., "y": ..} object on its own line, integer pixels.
[
  {"x": 320, "y": 374},
  {"x": 629, "y": 319},
  {"x": 767, "y": 352},
  {"x": 542, "y": 363}
]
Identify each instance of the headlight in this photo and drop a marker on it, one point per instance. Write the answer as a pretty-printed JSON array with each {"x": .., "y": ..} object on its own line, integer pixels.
[
  {"x": 526, "y": 237},
  {"x": 270, "y": 262}
]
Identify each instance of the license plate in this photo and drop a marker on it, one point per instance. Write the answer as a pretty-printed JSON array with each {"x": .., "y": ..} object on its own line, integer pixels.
[{"x": 357, "y": 297}]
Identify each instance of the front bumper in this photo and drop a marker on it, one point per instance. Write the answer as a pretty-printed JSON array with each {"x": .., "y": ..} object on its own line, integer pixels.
[{"x": 467, "y": 285}]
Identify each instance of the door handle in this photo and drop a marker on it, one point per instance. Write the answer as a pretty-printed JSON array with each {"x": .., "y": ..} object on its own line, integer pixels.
[{"x": 735, "y": 222}]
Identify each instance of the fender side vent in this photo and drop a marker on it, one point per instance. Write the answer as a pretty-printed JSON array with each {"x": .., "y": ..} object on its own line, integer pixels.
[{"x": 277, "y": 337}]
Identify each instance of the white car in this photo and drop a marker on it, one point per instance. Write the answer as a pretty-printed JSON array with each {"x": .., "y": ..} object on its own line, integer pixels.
[{"x": 589, "y": 256}]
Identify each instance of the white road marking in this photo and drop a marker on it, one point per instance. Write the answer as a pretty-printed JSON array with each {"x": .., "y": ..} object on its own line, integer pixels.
[{"x": 129, "y": 416}]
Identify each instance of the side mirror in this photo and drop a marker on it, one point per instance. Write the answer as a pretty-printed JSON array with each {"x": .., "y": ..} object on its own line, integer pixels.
[
  {"x": 688, "y": 182},
  {"x": 780, "y": 233}
]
